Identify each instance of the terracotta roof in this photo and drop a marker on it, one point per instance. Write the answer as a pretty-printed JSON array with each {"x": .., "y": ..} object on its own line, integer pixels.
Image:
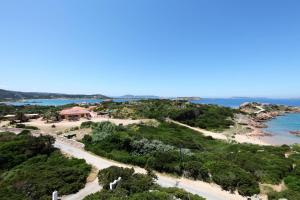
[{"x": 74, "y": 111}]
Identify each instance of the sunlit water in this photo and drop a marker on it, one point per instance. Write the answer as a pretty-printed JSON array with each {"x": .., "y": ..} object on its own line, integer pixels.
[
  {"x": 236, "y": 102},
  {"x": 59, "y": 102},
  {"x": 280, "y": 128}
]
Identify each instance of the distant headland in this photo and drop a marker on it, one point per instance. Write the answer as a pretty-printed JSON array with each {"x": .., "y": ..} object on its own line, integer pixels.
[{"x": 7, "y": 95}]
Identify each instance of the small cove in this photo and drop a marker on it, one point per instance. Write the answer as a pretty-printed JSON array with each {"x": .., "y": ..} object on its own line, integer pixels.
[{"x": 280, "y": 128}]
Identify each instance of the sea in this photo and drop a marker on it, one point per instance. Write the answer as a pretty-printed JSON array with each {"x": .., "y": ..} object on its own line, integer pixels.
[
  {"x": 236, "y": 102},
  {"x": 278, "y": 127},
  {"x": 58, "y": 102}
]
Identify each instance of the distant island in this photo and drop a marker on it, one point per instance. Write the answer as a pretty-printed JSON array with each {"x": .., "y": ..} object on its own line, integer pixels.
[
  {"x": 187, "y": 98},
  {"x": 7, "y": 95},
  {"x": 130, "y": 96}
]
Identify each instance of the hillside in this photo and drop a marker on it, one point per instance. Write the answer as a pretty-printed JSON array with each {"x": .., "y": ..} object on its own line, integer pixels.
[{"x": 15, "y": 95}]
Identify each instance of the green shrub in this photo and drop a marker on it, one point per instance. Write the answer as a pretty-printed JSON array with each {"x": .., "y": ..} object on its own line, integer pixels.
[
  {"x": 196, "y": 170},
  {"x": 102, "y": 130},
  {"x": 31, "y": 168},
  {"x": 233, "y": 166},
  {"x": 110, "y": 174},
  {"x": 87, "y": 124},
  {"x": 134, "y": 186}
]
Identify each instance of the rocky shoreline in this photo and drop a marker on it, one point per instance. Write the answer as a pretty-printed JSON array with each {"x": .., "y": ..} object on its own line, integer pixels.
[
  {"x": 258, "y": 114},
  {"x": 297, "y": 133}
]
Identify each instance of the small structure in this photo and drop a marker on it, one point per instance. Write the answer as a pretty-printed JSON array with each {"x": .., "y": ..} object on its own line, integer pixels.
[
  {"x": 32, "y": 116},
  {"x": 112, "y": 184},
  {"x": 10, "y": 117},
  {"x": 104, "y": 114},
  {"x": 27, "y": 116},
  {"x": 75, "y": 113}
]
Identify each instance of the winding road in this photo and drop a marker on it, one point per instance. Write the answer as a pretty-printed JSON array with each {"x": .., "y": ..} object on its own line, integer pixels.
[
  {"x": 209, "y": 191},
  {"x": 76, "y": 150}
]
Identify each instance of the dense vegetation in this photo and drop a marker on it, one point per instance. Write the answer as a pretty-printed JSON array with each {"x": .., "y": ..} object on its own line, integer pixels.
[
  {"x": 31, "y": 168},
  {"x": 29, "y": 109},
  {"x": 292, "y": 181},
  {"x": 135, "y": 186},
  {"x": 210, "y": 117},
  {"x": 170, "y": 148},
  {"x": 47, "y": 112}
]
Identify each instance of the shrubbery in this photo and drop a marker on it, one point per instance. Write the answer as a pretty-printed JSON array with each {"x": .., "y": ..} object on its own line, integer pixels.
[
  {"x": 233, "y": 166},
  {"x": 31, "y": 168},
  {"x": 87, "y": 124},
  {"x": 102, "y": 130},
  {"x": 26, "y": 127},
  {"x": 211, "y": 117},
  {"x": 135, "y": 186}
]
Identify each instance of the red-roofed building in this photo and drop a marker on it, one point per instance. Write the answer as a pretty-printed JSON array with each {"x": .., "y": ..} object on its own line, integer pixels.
[{"x": 75, "y": 113}]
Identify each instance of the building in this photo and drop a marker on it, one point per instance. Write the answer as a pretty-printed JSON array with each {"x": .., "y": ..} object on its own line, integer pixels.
[
  {"x": 27, "y": 116},
  {"x": 75, "y": 113},
  {"x": 32, "y": 116},
  {"x": 9, "y": 117}
]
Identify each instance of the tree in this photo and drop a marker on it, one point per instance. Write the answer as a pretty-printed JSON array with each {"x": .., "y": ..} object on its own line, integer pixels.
[
  {"x": 196, "y": 170},
  {"x": 21, "y": 117},
  {"x": 51, "y": 115}
]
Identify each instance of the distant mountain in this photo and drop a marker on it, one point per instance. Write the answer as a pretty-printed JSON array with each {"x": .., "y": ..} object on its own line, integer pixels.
[
  {"x": 15, "y": 95},
  {"x": 129, "y": 96}
]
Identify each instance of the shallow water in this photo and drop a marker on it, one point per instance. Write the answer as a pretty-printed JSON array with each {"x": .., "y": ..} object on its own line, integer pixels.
[{"x": 280, "y": 128}]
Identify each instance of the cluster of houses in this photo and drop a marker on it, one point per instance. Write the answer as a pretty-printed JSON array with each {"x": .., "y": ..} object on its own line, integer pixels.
[{"x": 74, "y": 113}]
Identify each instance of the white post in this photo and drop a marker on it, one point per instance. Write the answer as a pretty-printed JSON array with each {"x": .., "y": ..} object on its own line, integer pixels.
[
  {"x": 112, "y": 184},
  {"x": 55, "y": 195}
]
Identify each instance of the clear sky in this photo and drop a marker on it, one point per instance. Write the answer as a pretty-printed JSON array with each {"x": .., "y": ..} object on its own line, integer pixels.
[{"x": 207, "y": 48}]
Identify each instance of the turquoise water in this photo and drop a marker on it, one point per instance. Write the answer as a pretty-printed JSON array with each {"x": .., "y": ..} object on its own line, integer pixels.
[
  {"x": 53, "y": 102},
  {"x": 280, "y": 128},
  {"x": 59, "y": 102},
  {"x": 236, "y": 102}
]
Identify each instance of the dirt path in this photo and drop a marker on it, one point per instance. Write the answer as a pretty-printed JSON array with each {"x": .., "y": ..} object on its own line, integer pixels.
[
  {"x": 90, "y": 188},
  {"x": 238, "y": 138},
  {"x": 203, "y": 131}
]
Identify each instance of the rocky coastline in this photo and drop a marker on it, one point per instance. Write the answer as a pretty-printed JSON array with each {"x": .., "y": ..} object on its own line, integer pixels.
[
  {"x": 258, "y": 114},
  {"x": 297, "y": 133}
]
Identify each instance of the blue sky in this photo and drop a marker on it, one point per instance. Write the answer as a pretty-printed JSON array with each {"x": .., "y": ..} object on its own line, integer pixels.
[{"x": 207, "y": 48}]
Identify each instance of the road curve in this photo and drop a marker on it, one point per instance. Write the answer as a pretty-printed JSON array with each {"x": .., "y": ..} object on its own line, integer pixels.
[{"x": 206, "y": 190}]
